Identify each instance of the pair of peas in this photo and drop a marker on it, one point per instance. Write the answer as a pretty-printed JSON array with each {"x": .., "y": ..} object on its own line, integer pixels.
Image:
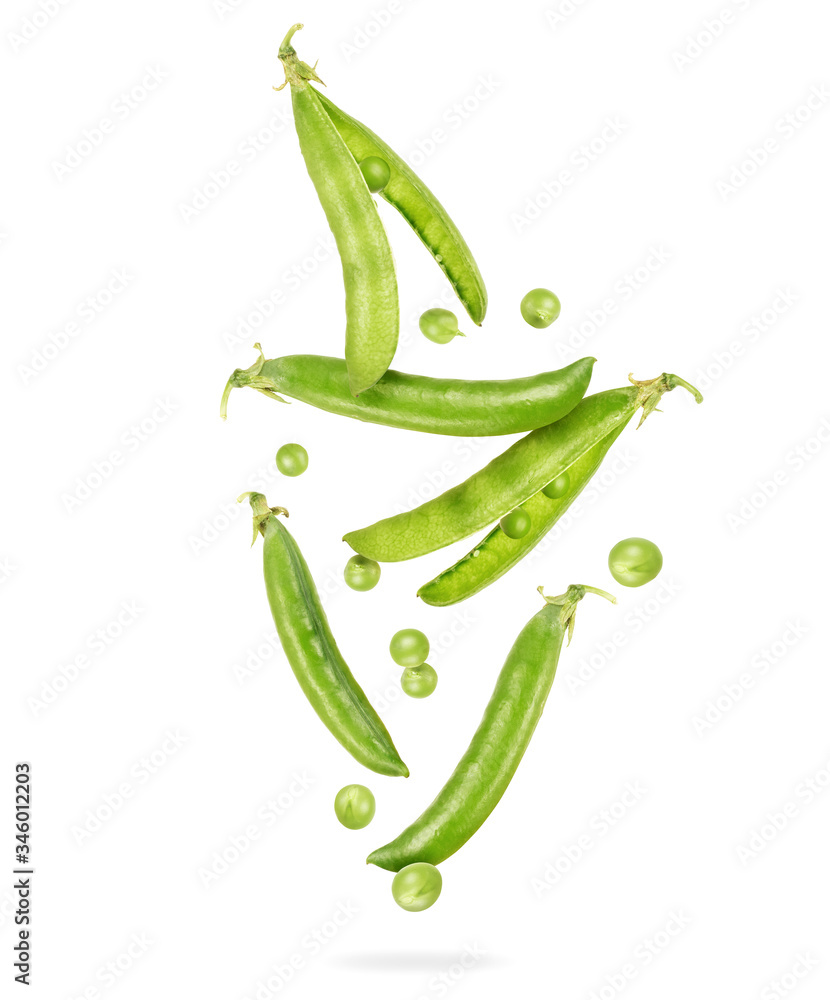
[{"x": 540, "y": 307}]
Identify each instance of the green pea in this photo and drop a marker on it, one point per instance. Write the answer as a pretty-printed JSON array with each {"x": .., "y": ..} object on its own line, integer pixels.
[
  {"x": 540, "y": 307},
  {"x": 516, "y": 524},
  {"x": 439, "y": 325},
  {"x": 417, "y": 886},
  {"x": 361, "y": 573},
  {"x": 292, "y": 460},
  {"x": 635, "y": 561},
  {"x": 409, "y": 647},
  {"x": 419, "y": 682},
  {"x": 354, "y": 806},
  {"x": 558, "y": 487},
  {"x": 375, "y": 172}
]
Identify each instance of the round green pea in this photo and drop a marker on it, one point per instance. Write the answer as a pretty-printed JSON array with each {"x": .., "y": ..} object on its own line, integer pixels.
[
  {"x": 419, "y": 682},
  {"x": 409, "y": 647},
  {"x": 635, "y": 561},
  {"x": 375, "y": 172},
  {"x": 540, "y": 307},
  {"x": 558, "y": 487},
  {"x": 361, "y": 573},
  {"x": 292, "y": 460},
  {"x": 516, "y": 524},
  {"x": 417, "y": 886},
  {"x": 439, "y": 325},
  {"x": 354, "y": 806}
]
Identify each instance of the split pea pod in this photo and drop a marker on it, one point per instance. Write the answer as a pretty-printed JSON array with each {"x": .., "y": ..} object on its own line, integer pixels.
[
  {"x": 512, "y": 477},
  {"x": 372, "y": 312},
  {"x": 418, "y": 205},
  {"x": 497, "y": 553},
  {"x": 311, "y": 651},
  {"x": 415, "y": 402},
  {"x": 498, "y": 745}
]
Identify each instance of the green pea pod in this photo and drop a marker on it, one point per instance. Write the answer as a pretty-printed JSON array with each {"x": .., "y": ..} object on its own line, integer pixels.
[
  {"x": 311, "y": 650},
  {"x": 497, "y": 553},
  {"x": 498, "y": 745},
  {"x": 418, "y": 403},
  {"x": 511, "y": 478},
  {"x": 421, "y": 209},
  {"x": 372, "y": 314}
]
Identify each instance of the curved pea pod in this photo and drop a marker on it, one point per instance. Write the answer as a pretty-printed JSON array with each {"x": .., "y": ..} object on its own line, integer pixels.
[
  {"x": 372, "y": 311},
  {"x": 497, "y": 553},
  {"x": 311, "y": 651},
  {"x": 498, "y": 745},
  {"x": 512, "y": 477},
  {"x": 418, "y": 205},
  {"x": 415, "y": 402}
]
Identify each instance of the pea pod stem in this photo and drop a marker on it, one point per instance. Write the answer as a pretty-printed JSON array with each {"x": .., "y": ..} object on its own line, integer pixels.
[
  {"x": 484, "y": 772},
  {"x": 310, "y": 649},
  {"x": 369, "y": 280},
  {"x": 438, "y": 406},
  {"x": 512, "y": 477}
]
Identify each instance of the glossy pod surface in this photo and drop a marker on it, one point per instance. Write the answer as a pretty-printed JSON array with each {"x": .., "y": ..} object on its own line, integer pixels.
[
  {"x": 421, "y": 209},
  {"x": 415, "y": 402},
  {"x": 497, "y": 553},
  {"x": 509, "y": 480},
  {"x": 372, "y": 313},
  {"x": 498, "y": 745},
  {"x": 514, "y": 476},
  {"x": 316, "y": 661}
]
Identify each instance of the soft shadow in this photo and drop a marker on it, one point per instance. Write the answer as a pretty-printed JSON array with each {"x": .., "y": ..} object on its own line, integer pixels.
[{"x": 408, "y": 961}]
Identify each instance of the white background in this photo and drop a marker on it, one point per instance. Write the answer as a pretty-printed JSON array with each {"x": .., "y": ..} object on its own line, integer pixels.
[{"x": 742, "y": 566}]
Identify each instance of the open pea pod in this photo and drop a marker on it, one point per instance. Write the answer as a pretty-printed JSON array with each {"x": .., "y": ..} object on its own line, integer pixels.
[
  {"x": 497, "y": 552},
  {"x": 512, "y": 477},
  {"x": 371, "y": 286},
  {"x": 421, "y": 209}
]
